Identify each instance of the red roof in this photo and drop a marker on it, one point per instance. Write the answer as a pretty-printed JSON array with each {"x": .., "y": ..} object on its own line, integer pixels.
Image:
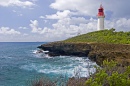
[{"x": 101, "y": 11}]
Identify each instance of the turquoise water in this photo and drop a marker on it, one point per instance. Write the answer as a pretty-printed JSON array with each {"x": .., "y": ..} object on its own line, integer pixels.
[{"x": 19, "y": 64}]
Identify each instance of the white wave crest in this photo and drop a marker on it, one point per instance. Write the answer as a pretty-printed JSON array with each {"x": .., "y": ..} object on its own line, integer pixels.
[
  {"x": 41, "y": 54},
  {"x": 75, "y": 67}
]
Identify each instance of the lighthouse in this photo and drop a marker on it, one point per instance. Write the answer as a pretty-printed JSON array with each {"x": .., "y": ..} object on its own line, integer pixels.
[{"x": 101, "y": 16}]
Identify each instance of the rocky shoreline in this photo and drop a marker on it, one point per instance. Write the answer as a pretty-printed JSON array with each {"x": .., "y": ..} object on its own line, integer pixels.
[{"x": 95, "y": 51}]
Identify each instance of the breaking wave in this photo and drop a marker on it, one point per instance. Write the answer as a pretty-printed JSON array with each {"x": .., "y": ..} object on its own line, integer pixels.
[{"x": 65, "y": 65}]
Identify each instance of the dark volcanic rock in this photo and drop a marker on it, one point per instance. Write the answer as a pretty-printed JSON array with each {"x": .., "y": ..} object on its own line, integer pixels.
[
  {"x": 59, "y": 48},
  {"x": 117, "y": 52},
  {"x": 95, "y": 51}
]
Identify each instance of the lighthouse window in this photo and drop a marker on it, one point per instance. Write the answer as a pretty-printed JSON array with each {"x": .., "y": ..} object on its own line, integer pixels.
[{"x": 100, "y": 10}]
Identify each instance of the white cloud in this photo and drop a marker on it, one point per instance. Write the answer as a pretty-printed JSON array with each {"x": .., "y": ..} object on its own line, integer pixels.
[
  {"x": 34, "y": 26},
  {"x": 121, "y": 24},
  {"x": 79, "y": 17},
  {"x": 69, "y": 27},
  {"x": 8, "y": 31},
  {"x": 119, "y": 8},
  {"x": 42, "y": 17},
  {"x": 84, "y": 7},
  {"x": 72, "y": 17},
  {"x": 72, "y": 26},
  {"x": 36, "y": 29},
  {"x": 64, "y": 28},
  {"x": 78, "y": 20},
  {"x": 20, "y": 3},
  {"x": 59, "y": 15}
]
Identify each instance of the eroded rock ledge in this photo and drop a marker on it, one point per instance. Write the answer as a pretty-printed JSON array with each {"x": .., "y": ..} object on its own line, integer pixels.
[
  {"x": 95, "y": 51},
  {"x": 60, "y": 48}
]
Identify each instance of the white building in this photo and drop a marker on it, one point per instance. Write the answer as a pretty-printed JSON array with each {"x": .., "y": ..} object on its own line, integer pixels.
[{"x": 101, "y": 16}]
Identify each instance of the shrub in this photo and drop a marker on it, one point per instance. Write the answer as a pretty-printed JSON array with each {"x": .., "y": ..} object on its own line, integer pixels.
[{"x": 110, "y": 75}]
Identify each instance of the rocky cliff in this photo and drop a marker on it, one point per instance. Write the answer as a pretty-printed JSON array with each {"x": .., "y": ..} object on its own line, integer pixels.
[
  {"x": 60, "y": 48},
  {"x": 95, "y": 51},
  {"x": 117, "y": 52}
]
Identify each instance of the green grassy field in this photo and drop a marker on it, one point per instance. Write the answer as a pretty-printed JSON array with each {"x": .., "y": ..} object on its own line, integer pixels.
[{"x": 103, "y": 36}]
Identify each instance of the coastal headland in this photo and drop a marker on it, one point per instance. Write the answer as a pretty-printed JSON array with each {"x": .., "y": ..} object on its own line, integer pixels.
[
  {"x": 97, "y": 46},
  {"x": 94, "y": 51}
]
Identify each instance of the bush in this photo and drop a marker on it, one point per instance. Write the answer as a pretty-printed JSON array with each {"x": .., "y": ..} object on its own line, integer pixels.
[{"x": 110, "y": 75}]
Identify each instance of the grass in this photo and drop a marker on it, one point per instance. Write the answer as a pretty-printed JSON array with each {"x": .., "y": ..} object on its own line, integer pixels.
[{"x": 103, "y": 36}]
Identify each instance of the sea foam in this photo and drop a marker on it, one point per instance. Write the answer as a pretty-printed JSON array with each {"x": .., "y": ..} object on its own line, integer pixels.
[{"x": 65, "y": 65}]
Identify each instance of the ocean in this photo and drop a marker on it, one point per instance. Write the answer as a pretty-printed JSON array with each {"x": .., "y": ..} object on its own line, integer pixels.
[{"x": 20, "y": 64}]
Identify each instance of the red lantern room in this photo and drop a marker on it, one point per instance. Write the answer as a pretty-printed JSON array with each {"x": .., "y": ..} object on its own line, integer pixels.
[{"x": 101, "y": 11}]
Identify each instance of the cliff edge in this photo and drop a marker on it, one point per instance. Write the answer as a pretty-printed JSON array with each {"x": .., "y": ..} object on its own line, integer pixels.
[
  {"x": 98, "y": 46},
  {"x": 94, "y": 51},
  {"x": 70, "y": 49}
]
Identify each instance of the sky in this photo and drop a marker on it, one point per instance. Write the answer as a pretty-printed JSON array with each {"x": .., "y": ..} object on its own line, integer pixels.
[{"x": 54, "y": 20}]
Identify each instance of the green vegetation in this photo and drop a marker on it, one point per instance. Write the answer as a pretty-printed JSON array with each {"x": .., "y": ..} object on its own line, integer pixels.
[
  {"x": 110, "y": 75},
  {"x": 103, "y": 36}
]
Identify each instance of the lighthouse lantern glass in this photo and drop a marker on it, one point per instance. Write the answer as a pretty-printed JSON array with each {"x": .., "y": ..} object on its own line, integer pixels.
[{"x": 100, "y": 10}]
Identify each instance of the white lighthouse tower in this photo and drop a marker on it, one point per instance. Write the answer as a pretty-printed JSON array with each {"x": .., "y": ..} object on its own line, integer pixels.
[{"x": 101, "y": 16}]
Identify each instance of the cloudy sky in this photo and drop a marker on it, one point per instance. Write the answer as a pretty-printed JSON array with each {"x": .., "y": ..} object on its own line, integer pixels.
[{"x": 53, "y": 20}]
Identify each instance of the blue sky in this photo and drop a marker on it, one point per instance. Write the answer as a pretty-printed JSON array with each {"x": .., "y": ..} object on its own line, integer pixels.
[{"x": 53, "y": 20}]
